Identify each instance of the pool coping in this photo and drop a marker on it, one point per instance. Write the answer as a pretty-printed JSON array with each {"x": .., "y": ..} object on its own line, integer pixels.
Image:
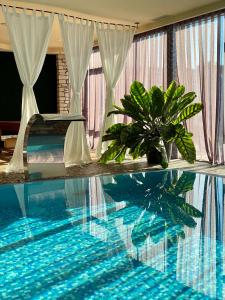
[{"x": 96, "y": 169}]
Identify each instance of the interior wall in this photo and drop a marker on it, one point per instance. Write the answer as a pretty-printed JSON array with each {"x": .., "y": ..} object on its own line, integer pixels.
[{"x": 63, "y": 86}]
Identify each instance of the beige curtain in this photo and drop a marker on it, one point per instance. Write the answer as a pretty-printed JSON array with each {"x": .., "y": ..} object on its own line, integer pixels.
[
  {"x": 146, "y": 61},
  {"x": 114, "y": 44},
  {"x": 77, "y": 38},
  {"x": 200, "y": 66},
  {"x": 151, "y": 57}
]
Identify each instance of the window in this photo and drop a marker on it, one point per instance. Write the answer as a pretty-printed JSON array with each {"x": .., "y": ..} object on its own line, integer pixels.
[{"x": 146, "y": 62}]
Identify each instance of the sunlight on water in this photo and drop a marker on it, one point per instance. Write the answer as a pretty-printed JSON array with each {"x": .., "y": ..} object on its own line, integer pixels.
[{"x": 152, "y": 235}]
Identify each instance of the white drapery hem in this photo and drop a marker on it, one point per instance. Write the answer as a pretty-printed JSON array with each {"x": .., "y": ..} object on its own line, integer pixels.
[
  {"x": 29, "y": 36},
  {"x": 114, "y": 44}
]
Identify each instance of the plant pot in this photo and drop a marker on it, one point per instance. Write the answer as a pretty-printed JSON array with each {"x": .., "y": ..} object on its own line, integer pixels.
[
  {"x": 154, "y": 157},
  {"x": 168, "y": 147}
]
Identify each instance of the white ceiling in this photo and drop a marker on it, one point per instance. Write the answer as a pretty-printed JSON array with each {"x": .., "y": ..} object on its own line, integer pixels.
[
  {"x": 143, "y": 11},
  {"x": 147, "y": 12}
]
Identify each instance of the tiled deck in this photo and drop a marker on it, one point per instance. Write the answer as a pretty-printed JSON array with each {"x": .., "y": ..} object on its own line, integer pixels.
[{"x": 97, "y": 169}]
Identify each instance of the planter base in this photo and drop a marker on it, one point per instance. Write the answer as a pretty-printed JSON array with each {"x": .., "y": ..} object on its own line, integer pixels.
[{"x": 154, "y": 157}]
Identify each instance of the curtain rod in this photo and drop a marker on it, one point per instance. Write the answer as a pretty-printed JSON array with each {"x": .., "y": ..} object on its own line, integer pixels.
[{"x": 70, "y": 16}]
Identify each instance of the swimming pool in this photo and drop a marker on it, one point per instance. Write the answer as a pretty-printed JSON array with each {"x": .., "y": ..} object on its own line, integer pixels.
[{"x": 150, "y": 235}]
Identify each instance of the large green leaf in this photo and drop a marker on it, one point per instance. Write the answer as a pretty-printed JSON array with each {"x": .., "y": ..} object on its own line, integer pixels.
[
  {"x": 130, "y": 105},
  {"x": 109, "y": 137},
  {"x": 168, "y": 99},
  {"x": 121, "y": 111},
  {"x": 185, "y": 183},
  {"x": 135, "y": 150},
  {"x": 121, "y": 156},
  {"x": 118, "y": 111},
  {"x": 164, "y": 159},
  {"x": 157, "y": 101},
  {"x": 113, "y": 132},
  {"x": 179, "y": 216},
  {"x": 186, "y": 100},
  {"x": 191, "y": 210},
  {"x": 186, "y": 146},
  {"x": 168, "y": 132},
  {"x": 178, "y": 105},
  {"x": 170, "y": 91},
  {"x": 124, "y": 134},
  {"x": 189, "y": 112},
  {"x": 178, "y": 92},
  {"x": 113, "y": 150},
  {"x": 116, "y": 128},
  {"x": 139, "y": 93},
  {"x": 173, "y": 108}
]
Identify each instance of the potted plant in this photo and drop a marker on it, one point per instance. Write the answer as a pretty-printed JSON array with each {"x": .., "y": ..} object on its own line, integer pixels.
[{"x": 157, "y": 122}]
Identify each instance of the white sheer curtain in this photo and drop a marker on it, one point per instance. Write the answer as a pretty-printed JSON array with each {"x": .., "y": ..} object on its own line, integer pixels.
[
  {"x": 78, "y": 41},
  {"x": 114, "y": 44},
  {"x": 29, "y": 36},
  {"x": 200, "y": 66}
]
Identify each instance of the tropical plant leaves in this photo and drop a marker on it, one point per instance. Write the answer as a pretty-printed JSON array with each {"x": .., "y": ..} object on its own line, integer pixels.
[
  {"x": 191, "y": 210},
  {"x": 181, "y": 217},
  {"x": 121, "y": 156},
  {"x": 113, "y": 150},
  {"x": 139, "y": 93},
  {"x": 132, "y": 108},
  {"x": 168, "y": 132},
  {"x": 178, "y": 104},
  {"x": 168, "y": 97},
  {"x": 164, "y": 159},
  {"x": 178, "y": 92},
  {"x": 157, "y": 209},
  {"x": 185, "y": 183},
  {"x": 186, "y": 146},
  {"x": 116, "y": 128},
  {"x": 188, "y": 112},
  {"x": 156, "y": 115},
  {"x": 113, "y": 133},
  {"x": 157, "y": 101},
  {"x": 170, "y": 91},
  {"x": 186, "y": 100}
]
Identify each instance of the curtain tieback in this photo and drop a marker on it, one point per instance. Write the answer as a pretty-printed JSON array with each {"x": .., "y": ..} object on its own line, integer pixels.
[
  {"x": 28, "y": 86},
  {"x": 110, "y": 98},
  {"x": 75, "y": 105},
  {"x": 76, "y": 94}
]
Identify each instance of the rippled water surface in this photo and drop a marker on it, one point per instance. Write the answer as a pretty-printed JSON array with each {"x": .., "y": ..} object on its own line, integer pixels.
[{"x": 151, "y": 235}]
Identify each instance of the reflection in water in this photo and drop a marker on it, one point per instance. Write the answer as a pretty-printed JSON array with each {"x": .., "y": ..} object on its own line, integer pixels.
[
  {"x": 168, "y": 221},
  {"x": 164, "y": 211}
]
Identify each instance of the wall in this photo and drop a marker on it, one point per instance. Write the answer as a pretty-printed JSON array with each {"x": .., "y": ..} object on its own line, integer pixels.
[
  {"x": 45, "y": 88},
  {"x": 63, "y": 88}
]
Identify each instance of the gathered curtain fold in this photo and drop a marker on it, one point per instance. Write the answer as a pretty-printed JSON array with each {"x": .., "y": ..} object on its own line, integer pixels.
[
  {"x": 29, "y": 36},
  {"x": 200, "y": 66},
  {"x": 78, "y": 41},
  {"x": 114, "y": 44}
]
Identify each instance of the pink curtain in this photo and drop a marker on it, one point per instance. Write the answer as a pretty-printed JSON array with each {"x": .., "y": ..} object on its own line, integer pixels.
[
  {"x": 146, "y": 62},
  {"x": 151, "y": 57},
  {"x": 200, "y": 67}
]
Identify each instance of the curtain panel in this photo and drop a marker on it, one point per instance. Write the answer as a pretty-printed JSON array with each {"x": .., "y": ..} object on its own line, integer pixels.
[
  {"x": 78, "y": 40},
  {"x": 200, "y": 67},
  {"x": 146, "y": 61},
  {"x": 114, "y": 43},
  {"x": 29, "y": 36}
]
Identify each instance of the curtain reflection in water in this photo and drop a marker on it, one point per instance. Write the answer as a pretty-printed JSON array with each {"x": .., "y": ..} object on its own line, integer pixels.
[{"x": 172, "y": 221}]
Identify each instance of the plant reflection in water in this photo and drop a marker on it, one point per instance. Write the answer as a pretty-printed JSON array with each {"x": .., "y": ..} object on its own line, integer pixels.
[{"x": 161, "y": 198}]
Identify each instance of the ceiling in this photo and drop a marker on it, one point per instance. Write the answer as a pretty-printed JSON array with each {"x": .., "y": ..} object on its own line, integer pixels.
[
  {"x": 143, "y": 11},
  {"x": 149, "y": 13}
]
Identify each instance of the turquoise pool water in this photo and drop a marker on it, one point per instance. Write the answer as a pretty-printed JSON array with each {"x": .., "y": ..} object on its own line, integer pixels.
[{"x": 152, "y": 235}]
